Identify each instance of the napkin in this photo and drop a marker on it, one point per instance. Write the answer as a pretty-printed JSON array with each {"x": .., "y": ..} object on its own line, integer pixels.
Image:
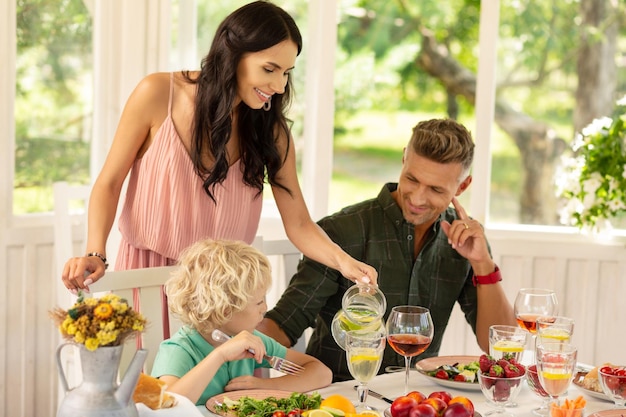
[{"x": 183, "y": 408}]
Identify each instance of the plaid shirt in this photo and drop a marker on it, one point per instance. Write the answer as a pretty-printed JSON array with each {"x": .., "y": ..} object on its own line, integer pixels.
[{"x": 375, "y": 232}]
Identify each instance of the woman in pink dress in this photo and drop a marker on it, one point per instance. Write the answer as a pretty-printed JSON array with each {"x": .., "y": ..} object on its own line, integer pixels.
[{"x": 199, "y": 146}]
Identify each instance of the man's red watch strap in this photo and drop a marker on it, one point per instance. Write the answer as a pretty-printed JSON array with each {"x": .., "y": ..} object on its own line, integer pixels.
[{"x": 488, "y": 279}]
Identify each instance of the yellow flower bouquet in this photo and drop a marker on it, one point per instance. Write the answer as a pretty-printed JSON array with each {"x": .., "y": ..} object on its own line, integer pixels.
[{"x": 93, "y": 322}]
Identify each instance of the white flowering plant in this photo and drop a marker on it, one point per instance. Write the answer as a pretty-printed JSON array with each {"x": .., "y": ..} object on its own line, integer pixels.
[{"x": 592, "y": 183}]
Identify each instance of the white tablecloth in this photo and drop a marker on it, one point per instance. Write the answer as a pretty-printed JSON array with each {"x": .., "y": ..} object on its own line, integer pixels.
[{"x": 392, "y": 385}]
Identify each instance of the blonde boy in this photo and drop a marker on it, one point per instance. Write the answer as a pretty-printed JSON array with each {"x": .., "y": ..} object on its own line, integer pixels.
[{"x": 221, "y": 284}]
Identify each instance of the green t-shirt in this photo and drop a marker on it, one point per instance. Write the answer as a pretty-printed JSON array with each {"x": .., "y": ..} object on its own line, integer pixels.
[{"x": 184, "y": 350}]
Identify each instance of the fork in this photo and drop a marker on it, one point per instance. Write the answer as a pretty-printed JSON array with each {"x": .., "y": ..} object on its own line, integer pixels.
[{"x": 277, "y": 363}]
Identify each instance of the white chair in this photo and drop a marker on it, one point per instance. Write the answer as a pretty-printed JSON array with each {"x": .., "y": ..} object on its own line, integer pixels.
[{"x": 148, "y": 281}]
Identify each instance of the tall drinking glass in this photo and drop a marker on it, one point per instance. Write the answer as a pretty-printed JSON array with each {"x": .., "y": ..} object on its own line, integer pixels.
[
  {"x": 556, "y": 329},
  {"x": 364, "y": 354},
  {"x": 555, "y": 367},
  {"x": 409, "y": 332},
  {"x": 509, "y": 340}
]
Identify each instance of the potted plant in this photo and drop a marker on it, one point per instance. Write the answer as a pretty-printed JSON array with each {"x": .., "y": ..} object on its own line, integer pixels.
[{"x": 592, "y": 183}]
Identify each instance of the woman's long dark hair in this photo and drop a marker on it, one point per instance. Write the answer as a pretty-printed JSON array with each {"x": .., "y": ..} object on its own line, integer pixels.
[{"x": 251, "y": 28}]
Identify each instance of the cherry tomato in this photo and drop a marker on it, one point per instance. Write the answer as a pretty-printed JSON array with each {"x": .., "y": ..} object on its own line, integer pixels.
[
  {"x": 296, "y": 412},
  {"x": 606, "y": 370},
  {"x": 278, "y": 413},
  {"x": 459, "y": 378},
  {"x": 441, "y": 374}
]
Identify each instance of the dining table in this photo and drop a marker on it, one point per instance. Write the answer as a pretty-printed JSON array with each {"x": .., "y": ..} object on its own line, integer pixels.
[{"x": 391, "y": 385}]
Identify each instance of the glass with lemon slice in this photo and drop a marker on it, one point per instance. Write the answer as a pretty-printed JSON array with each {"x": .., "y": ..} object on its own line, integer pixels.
[
  {"x": 557, "y": 329},
  {"x": 364, "y": 354},
  {"x": 556, "y": 362},
  {"x": 509, "y": 340}
]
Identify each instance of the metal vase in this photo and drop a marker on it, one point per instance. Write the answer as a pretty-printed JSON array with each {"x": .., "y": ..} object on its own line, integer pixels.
[{"x": 99, "y": 394}]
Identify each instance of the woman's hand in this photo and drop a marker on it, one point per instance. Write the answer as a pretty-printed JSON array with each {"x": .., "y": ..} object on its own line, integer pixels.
[
  {"x": 358, "y": 272},
  {"x": 79, "y": 273}
]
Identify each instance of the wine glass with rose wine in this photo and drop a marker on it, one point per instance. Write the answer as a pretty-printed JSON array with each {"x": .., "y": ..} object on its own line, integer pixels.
[
  {"x": 532, "y": 303},
  {"x": 409, "y": 332}
]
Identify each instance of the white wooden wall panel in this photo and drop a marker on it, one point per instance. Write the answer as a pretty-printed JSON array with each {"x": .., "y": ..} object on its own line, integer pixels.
[{"x": 590, "y": 280}]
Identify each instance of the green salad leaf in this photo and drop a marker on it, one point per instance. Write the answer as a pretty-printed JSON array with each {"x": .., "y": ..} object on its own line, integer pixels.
[{"x": 251, "y": 407}]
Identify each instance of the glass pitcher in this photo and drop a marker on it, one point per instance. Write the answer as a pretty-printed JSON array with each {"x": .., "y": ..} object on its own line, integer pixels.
[{"x": 363, "y": 308}]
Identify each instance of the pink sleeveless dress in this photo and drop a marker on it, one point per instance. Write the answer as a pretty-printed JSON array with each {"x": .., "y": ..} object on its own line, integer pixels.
[{"x": 166, "y": 209}]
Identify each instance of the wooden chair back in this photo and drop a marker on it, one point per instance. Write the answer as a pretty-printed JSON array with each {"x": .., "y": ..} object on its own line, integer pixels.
[{"x": 148, "y": 282}]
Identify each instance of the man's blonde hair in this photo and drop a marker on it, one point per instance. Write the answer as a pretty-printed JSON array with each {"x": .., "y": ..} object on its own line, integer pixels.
[{"x": 214, "y": 280}]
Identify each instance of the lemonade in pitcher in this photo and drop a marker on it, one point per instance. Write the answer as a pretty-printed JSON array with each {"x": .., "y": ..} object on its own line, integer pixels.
[{"x": 363, "y": 309}]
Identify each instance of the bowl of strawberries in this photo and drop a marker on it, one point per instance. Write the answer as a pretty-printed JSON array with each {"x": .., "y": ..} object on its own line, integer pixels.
[{"x": 500, "y": 381}]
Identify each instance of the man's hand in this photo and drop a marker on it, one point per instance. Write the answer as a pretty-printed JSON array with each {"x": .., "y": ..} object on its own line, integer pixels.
[{"x": 467, "y": 237}]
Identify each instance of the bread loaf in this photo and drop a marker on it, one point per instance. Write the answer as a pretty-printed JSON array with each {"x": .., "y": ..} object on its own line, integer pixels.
[
  {"x": 591, "y": 381},
  {"x": 151, "y": 392}
]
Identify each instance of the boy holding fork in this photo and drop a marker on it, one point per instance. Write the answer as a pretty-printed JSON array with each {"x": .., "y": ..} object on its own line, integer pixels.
[{"x": 221, "y": 284}]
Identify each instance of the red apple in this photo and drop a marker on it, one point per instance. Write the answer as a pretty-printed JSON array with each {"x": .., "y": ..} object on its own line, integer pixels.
[
  {"x": 417, "y": 395},
  {"x": 444, "y": 395},
  {"x": 423, "y": 410},
  {"x": 457, "y": 410},
  {"x": 437, "y": 403},
  {"x": 401, "y": 406},
  {"x": 463, "y": 400}
]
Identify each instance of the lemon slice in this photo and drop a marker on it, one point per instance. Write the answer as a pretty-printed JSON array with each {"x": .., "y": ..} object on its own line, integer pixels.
[
  {"x": 319, "y": 413},
  {"x": 557, "y": 334},
  {"x": 508, "y": 346},
  {"x": 334, "y": 412},
  {"x": 363, "y": 357},
  {"x": 556, "y": 375}
]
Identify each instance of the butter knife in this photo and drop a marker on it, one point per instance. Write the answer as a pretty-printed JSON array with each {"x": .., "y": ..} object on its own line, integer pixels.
[{"x": 377, "y": 395}]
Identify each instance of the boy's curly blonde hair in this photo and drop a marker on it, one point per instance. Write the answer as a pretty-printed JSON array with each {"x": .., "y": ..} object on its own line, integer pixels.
[{"x": 214, "y": 280}]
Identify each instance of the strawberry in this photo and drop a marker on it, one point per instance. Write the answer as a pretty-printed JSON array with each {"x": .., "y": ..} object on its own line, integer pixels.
[
  {"x": 502, "y": 362},
  {"x": 485, "y": 362},
  {"x": 512, "y": 371},
  {"x": 510, "y": 357},
  {"x": 496, "y": 370},
  {"x": 502, "y": 390}
]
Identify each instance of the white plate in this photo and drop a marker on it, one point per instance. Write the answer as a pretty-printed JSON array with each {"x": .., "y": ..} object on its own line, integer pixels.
[
  {"x": 608, "y": 413},
  {"x": 183, "y": 407},
  {"x": 429, "y": 364},
  {"x": 592, "y": 393},
  {"x": 257, "y": 394}
]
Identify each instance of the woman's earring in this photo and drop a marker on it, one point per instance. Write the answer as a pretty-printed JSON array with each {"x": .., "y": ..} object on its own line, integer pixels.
[{"x": 268, "y": 104}]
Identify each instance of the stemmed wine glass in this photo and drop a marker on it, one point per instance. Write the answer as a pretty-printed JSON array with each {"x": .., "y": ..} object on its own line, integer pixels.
[
  {"x": 555, "y": 367},
  {"x": 409, "y": 332},
  {"x": 364, "y": 354},
  {"x": 531, "y": 303}
]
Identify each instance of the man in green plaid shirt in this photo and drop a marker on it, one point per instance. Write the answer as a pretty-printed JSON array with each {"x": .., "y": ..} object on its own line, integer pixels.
[{"x": 426, "y": 252}]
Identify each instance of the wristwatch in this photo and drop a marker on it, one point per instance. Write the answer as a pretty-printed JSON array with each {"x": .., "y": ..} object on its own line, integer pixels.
[{"x": 487, "y": 279}]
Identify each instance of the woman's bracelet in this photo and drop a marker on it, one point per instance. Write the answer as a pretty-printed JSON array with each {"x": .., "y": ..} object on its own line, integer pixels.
[{"x": 101, "y": 256}]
